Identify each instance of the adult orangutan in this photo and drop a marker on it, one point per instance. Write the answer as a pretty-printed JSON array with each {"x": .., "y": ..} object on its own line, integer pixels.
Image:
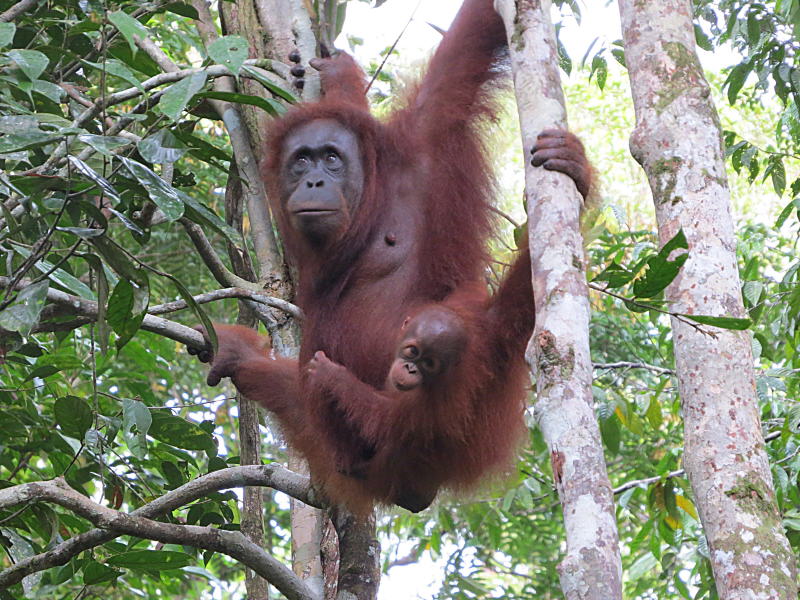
[{"x": 387, "y": 224}]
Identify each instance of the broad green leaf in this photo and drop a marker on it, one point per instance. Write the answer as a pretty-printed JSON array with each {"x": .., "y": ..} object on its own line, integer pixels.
[
  {"x": 105, "y": 145},
  {"x": 73, "y": 415},
  {"x": 736, "y": 80},
  {"x": 87, "y": 171},
  {"x": 30, "y": 138},
  {"x": 150, "y": 560},
  {"x": 18, "y": 123},
  {"x": 51, "y": 91},
  {"x": 117, "y": 68},
  {"x": 642, "y": 566},
  {"x": 273, "y": 87},
  {"x": 161, "y": 147},
  {"x": 269, "y": 105},
  {"x": 615, "y": 276},
  {"x": 61, "y": 277},
  {"x": 31, "y": 62},
  {"x": 128, "y": 27},
  {"x": 230, "y": 50},
  {"x": 179, "y": 94},
  {"x": 184, "y": 10},
  {"x": 721, "y": 322},
  {"x": 661, "y": 271},
  {"x": 23, "y": 314},
  {"x": 83, "y": 232},
  {"x": 95, "y": 572},
  {"x": 136, "y": 414},
  {"x": 178, "y": 432},
  {"x": 120, "y": 306},
  {"x": 159, "y": 191},
  {"x": 610, "y": 432},
  {"x": 7, "y": 31}
]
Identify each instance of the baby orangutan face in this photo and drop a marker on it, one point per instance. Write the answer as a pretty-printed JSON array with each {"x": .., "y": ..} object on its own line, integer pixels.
[{"x": 433, "y": 341}]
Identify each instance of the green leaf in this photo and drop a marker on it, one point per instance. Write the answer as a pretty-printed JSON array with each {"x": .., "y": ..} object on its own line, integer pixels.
[
  {"x": 23, "y": 314},
  {"x": 600, "y": 67},
  {"x": 184, "y": 10},
  {"x": 103, "y": 144},
  {"x": 30, "y": 138},
  {"x": 615, "y": 276},
  {"x": 31, "y": 62},
  {"x": 273, "y": 87},
  {"x": 159, "y": 191},
  {"x": 610, "y": 432},
  {"x": 128, "y": 27},
  {"x": 199, "y": 213},
  {"x": 736, "y": 80},
  {"x": 642, "y": 566},
  {"x": 721, "y": 322},
  {"x": 151, "y": 560},
  {"x": 231, "y": 51},
  {"x": 178, "y": 432},
  {"x": 94, "y": 573},
  {"x": 778, "y": 174},
  {"x": 660, "y": 270},
  {"x": 101, "y": 182},
  {"x": 73, "y": 415},
  {"x": 161, "y": 147},
  {"x": 117, "y": 68},
  {"x": 179, "y": 94},
  {"x": 120, "y": 304},
  {"x": 267, "y": 104},
  {"x": 136, "y": 414},
  {"x": 51, "y": 91},
  {"x": 7, "y": 31}
]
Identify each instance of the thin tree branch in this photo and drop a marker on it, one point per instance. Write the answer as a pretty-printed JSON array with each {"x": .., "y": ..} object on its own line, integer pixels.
[
  {"x": 273, "y": 475},
  {"x": 232, "y": 292},
  {"x": 88, "y": 310},
  {"x": 231, "y": 543},
  {"x": 634, "y": 365},
  {"x": 679, "y": 473},
  {"x": 16, "y": 10},
  {"x": 212, "y": 260}
]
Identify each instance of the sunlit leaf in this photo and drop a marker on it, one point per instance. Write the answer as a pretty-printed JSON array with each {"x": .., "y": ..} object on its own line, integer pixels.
[
  {"x": 31, "y": 62},
  {"x": 230, "y": 50},
  {"x": 128, "y": 27},
  {"x": 179, "y": 94}
]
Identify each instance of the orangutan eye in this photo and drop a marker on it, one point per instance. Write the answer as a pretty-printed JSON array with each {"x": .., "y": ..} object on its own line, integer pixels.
[{"x": 410, "y": 352}]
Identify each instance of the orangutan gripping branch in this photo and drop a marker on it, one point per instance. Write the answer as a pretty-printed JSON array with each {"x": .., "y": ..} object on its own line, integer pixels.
[{"x": 410, "y": 377}]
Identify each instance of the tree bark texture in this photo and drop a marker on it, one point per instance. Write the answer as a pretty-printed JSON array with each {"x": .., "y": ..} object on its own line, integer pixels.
[
  {"x": 359, "y": 556},
  {"x": 559, "y": 350},
  {"x": 677, "y": 141}
]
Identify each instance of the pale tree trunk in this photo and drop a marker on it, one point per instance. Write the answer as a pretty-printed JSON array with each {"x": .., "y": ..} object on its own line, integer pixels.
[
  {"x": 559, "y": 350},
  {"x": 677, "y": 141}
]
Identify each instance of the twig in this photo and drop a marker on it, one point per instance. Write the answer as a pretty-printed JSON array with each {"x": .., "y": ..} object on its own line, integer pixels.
[
  {"x": 679, "y": 473},
  {"x": 232, "y": 292},
  {"x": 139, "y": 522},
  {"x": 677, "y": 316},
  {"x": 633, "y": 365}
]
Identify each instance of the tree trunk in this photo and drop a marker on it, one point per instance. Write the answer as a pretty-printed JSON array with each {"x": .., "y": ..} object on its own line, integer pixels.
[
  {"x": 677, "y": 141},
  {"x": 559, "y": 350}
]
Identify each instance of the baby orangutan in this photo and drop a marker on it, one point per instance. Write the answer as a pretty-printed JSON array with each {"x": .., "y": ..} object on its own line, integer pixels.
[{"x": 429, "y": 406}]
